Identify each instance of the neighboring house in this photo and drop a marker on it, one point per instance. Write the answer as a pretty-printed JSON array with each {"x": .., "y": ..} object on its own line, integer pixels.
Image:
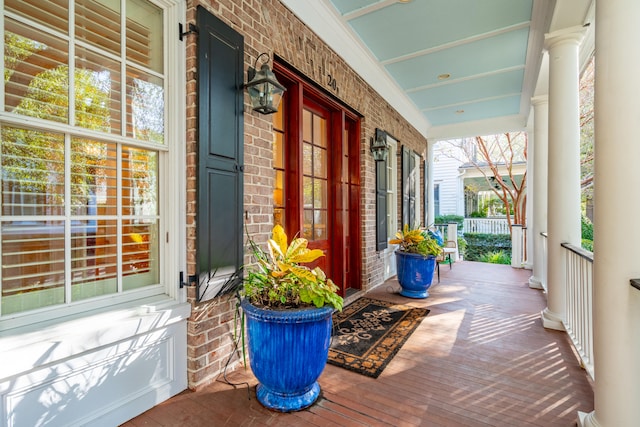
[{"x": 462, "y": 187}]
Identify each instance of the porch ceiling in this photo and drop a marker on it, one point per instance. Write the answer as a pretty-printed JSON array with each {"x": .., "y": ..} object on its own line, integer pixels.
[{"x": 452, "y": 68}]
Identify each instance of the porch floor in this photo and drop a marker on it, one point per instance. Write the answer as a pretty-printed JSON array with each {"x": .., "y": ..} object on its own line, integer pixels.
[{"x": 480, "y": 358}]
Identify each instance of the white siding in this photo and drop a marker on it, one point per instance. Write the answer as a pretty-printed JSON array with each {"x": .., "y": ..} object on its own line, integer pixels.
[{"x": 446, "y": 173}]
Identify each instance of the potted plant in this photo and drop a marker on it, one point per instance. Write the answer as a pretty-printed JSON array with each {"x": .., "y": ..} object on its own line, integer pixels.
[
  {"x": 288, "y": 311},
  {"x": 415, "y": 261}
]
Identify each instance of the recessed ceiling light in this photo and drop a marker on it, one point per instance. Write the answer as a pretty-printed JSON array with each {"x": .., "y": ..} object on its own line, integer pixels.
[
  {"x": 404, "y": 1},
  {"x": 459, "y": 111},
  {"x": 444, "y": 76}
]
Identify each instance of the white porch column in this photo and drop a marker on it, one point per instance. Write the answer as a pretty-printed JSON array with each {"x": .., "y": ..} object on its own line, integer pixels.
[
  {"x": 616, "y": 230},
  {"x": 564, "y": 166},
  {"x": 431, "y": 218},
  {"x": 538, "y": 197}
]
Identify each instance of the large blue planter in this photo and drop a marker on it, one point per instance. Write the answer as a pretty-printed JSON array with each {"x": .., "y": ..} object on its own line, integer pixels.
[
  {"x": 288, "y": 351},
  {"x": 415, "y": 273}
]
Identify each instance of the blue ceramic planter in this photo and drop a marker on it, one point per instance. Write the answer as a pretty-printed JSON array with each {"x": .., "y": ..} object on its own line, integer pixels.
[
  {"x": 288, "y": 351},
  {"x": 415, "y": 273}
]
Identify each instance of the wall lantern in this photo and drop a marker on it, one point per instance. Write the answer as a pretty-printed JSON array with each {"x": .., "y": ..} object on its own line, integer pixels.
[
  {"x": 379, "y": 147},
  {"x": 264, "y": 89}
]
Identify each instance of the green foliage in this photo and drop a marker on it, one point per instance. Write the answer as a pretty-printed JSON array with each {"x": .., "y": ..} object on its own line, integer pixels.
[
  {"x": 462, "y": 246},
  {"x": 478, "y": 214},
  {"x": 499, "y": 257},
  {"x": 279, "y": 280},
  {"x": 416, "y": 241},
  {"x": 587, "y": 245},
  {"x": 446, "y": 219},
  {"x": 479, "y": 244},
  {"x": 587, "y": 228}
]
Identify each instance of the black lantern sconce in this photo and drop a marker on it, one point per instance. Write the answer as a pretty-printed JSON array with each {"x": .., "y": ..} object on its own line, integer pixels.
[
  {"x": 264, "y": 89},
  {"x": 379, "y": 147}
]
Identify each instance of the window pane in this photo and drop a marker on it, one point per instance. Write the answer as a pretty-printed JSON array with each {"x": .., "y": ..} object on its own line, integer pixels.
[
  {"x": 278, "y": 116},
  {"x": 51, "y": 13},
  {"x": 140, "y": 265},
  {"x": 307, "y": 229},
  {"x": 32, "y": 172},
  {"x": 139, "y": 182},
  {"x": 36, "y": 73},
  {"x": 93, "y": 178},
  {"x": 98, "y": 23},
  {"x": 145, "y": 106},
  {"x": 94, "y": 256},
  {"x": 144, "y": 34},
  {"x": 98, "y": 87},
  {"x": 32, "y": 265}
]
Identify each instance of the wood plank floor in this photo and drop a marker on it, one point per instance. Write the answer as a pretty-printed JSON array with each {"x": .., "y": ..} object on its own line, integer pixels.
[{"x": 480, "y": 358}]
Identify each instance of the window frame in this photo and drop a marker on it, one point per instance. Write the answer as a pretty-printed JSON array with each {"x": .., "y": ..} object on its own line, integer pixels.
[{"x": 171, "y": 183}]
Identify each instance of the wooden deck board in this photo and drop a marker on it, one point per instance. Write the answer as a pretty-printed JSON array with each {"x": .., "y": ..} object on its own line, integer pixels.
[{"x": 480, "y": 358}]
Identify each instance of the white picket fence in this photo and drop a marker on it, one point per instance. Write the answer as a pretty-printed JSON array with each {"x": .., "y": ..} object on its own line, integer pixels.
[{"x": 486, "y": 225}]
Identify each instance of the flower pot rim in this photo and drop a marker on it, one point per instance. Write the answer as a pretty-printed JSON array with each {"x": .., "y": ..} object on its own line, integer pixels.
[{"x": 411, "y": 254}]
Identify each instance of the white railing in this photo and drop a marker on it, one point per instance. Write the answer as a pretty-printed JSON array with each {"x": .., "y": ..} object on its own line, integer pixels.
[
  {"x": 486, "y": 225},
  {"x": 543, "y": 261},
  {"x": 579, "y": 303},
  {"x": 518, "y": 246}
]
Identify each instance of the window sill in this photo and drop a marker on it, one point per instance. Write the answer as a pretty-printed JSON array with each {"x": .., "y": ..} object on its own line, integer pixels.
[{"x": 28, "y": 347}]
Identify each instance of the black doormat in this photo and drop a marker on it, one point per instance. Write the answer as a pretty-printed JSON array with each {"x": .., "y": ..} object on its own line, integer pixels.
[{"x": 368, "y": 333}]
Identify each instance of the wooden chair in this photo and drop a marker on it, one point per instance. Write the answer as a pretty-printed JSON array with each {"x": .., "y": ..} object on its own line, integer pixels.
[{"x": 448, "y": 249}]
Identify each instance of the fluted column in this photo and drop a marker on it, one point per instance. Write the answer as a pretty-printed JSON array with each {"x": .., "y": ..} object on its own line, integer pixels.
[
  {"x": 616, "y": 228},
  {"x": 564, "y": 166},
  {"x": 539, "y": 159}
]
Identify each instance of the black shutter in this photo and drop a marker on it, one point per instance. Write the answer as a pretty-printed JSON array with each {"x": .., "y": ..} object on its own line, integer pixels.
[
  {"x": 408, "y": 188},
  {"x": 381, "y": 205},
  {"x": 220, "y": 153}
]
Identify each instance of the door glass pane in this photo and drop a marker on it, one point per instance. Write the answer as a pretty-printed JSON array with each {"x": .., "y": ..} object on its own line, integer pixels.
[
  {"x": 278, "y": 150},
  {"x": 306, "y": 125},
  {"x": 307, "y": 228},
  {"x": 32, "y": 265},
  {"x": 36, "y": 73},
  {"x": 320, "y": 225},
  {"x": 278, "y": 191},
  {"x": 319, "y": 162},
  {"x": 319, "y": 193},
  {"x": 98, "y": 91},
  {"x": 307, "y": 159},
  {"x": 319, "y": 131},
  {"x": 307, "y": 190},
  {"x": 32, "y": 172}
]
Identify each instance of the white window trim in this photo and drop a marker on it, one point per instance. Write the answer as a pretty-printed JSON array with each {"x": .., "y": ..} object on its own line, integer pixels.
[
  {"x": 392, "y": 187},
  {"x": 172, "y": 209}
]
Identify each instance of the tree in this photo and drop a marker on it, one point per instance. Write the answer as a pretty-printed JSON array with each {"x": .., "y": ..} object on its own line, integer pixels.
[
  {"x": 494, "y": 157},
  {"x": 586, "y": 132}
]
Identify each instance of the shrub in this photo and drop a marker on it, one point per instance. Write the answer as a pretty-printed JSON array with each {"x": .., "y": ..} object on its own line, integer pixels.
[
  {"x": 479, "y": 244},
  {"x": 446, "y": 219},
  {"x": 499, "y": 257},
  {"x": 587, "y": 233}
]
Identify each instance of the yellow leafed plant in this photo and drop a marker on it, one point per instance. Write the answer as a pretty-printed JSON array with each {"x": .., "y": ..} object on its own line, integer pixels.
[
  {"x": 281, "y": 281},
  {"x": 416, "y": 241}
]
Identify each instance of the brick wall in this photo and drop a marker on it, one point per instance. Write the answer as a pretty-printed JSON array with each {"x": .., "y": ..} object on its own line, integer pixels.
[{"x": 268, "y": 26}]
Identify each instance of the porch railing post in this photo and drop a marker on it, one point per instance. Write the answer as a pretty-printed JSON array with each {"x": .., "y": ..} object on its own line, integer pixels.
[{"x": 516, "y": 246}]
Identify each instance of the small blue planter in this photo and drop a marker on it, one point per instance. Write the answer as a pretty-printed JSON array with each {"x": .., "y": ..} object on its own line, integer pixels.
[
  {"x": 415, "y": 273},
  {"x": 288, "y": 351}
]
